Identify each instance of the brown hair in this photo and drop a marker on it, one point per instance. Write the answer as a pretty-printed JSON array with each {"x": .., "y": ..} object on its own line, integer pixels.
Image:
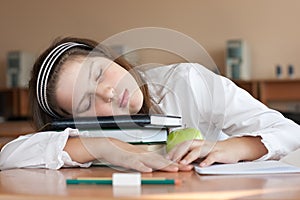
[{"x": 41, "y": 118}]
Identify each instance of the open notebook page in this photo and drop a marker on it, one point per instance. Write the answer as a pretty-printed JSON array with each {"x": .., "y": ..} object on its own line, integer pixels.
[{"x": 259, "y": 167}]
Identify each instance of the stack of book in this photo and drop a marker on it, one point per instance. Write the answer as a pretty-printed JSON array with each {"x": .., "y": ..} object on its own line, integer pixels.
[{"x": 149, "y": 132}]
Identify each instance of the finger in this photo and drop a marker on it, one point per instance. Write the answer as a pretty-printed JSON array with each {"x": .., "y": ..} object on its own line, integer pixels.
[
  {"x": 206, "y": 162},
  {"x": 142, "y": 168},
  {"x": 179, "y": 151},
  {"x": 191, "y": 156},
  {"x": 210, "y": 159},
  {"x": 193, "y": 146},
  {"x": 170, "y": 168},
  {"x": 183, "y": 148},
  {"x": 158, "y": 162},
  {"x": 135, "y": 164},
  {"x": 185, "y": 167},
  {"x": 175, "y": 149}
]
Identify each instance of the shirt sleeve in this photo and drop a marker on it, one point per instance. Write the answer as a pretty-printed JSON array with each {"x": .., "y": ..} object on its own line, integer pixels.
[
  {"x": 39, "y": 150},
  {"x": 210, "y": 100},
  {"x": 247, "y": 116},
  {"x": 238, "y": 114}
]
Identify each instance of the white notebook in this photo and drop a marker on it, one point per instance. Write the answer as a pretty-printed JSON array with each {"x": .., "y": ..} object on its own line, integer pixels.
[{"x": 259, "y": 167}]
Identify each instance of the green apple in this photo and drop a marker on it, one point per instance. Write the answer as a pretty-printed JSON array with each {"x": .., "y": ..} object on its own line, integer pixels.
[{"x": 181, "y": 135}]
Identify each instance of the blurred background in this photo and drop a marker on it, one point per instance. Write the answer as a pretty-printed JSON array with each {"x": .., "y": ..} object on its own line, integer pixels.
[{"x": 270, "y": 29}]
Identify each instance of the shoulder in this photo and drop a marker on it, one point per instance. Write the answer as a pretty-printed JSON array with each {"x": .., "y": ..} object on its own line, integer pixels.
[
  {"x": 182, "y": 76},
  {"x": 177, "y": 70}
]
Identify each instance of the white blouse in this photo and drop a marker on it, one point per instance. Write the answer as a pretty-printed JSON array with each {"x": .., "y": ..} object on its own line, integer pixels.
[
  {"x": 205, "y": 100},
  {"x": 219, "y": 108}
]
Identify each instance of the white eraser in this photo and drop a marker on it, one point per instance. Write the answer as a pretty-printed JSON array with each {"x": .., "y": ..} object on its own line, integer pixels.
[{"x": 126, "y": 179}]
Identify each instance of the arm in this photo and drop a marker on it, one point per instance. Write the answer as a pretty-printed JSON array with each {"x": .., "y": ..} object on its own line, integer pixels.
[
  {"x": 231, "y": 150},
  {"x": 244, "y": 119},
  {"x": 53, "y": 150},
  {"x": 118, "y": 153},
  {"x": 38, "y": 150},
  {"x": 246, "y": 116}
]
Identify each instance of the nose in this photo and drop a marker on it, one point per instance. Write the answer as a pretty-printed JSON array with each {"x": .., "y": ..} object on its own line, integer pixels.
[{"x": 105, "y": 92}]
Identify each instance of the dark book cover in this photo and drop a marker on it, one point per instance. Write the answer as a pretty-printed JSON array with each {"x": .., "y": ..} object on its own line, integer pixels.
[{"x": 117, "y": 121}]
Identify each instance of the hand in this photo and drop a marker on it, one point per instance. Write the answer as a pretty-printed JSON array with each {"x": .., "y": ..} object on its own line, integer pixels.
[
  {"x": 130, "y": 156},
  {"x": 120, "y": 153},
  {"x": 231, "y": 150}
]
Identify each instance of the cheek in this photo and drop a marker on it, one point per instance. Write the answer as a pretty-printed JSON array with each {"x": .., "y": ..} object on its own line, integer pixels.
[
  {"x": 101, "y": 109},
  {"x": 136, "y": 101},
  {"x": 104, "y": 112},
  {"x": 105, "y": 109}
]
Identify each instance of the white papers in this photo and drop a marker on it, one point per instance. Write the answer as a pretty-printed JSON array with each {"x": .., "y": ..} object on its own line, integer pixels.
[
  {"x": 292, "y": 158},
  {"x": 258, "y": 167}
]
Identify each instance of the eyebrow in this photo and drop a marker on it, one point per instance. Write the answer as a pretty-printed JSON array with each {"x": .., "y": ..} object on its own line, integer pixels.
[{"x": 84, "y": 95}]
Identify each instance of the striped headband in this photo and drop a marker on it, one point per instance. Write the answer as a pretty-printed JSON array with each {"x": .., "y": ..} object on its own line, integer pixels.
[{"x": 43, "y": 76}]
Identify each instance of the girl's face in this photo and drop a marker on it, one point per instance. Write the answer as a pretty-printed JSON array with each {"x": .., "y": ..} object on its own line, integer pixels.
[{"x": 97, "y": 87}]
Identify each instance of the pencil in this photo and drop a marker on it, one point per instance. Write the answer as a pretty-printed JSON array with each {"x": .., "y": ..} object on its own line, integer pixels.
[{"x": 108, "y": 181}]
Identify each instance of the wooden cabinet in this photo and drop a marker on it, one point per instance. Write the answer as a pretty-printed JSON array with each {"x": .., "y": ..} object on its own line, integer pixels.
[
  {"x": 280, "y": 94},
  {"x": 272, "y": 90},
  {"x": 279, "y": 90},
  {"x": 14, "y": 110},
  {"x": 9, "y": 130},
  {"x": 14, "y": 103}
]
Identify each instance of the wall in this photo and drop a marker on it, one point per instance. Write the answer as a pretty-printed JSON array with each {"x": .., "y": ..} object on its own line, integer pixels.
[{"x": 270, "y": 27}]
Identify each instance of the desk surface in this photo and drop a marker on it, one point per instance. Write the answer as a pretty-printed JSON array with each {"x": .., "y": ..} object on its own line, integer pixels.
[{"x": 50, "y": 184}]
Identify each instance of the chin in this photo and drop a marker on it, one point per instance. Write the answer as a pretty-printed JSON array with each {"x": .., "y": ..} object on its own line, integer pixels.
[{"x": 134, "y": 110}]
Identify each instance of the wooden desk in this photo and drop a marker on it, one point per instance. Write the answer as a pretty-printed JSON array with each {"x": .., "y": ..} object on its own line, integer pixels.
[
  {"x": 272, "y": 90},
  {"x": 15, "y": 128},
  {"x": 50, "y": 184},
  {"x": 9, "y": 130}
]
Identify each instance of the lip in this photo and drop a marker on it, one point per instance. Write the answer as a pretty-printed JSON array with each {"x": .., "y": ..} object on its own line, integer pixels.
[{"x": 124, "y": 98}]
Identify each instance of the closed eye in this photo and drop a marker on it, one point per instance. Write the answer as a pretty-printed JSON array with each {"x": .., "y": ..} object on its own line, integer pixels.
[
  {"x": 95, "y": 71},
  {"x": 98, "y": 75},
  {"x": 85, "y": 104}
]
